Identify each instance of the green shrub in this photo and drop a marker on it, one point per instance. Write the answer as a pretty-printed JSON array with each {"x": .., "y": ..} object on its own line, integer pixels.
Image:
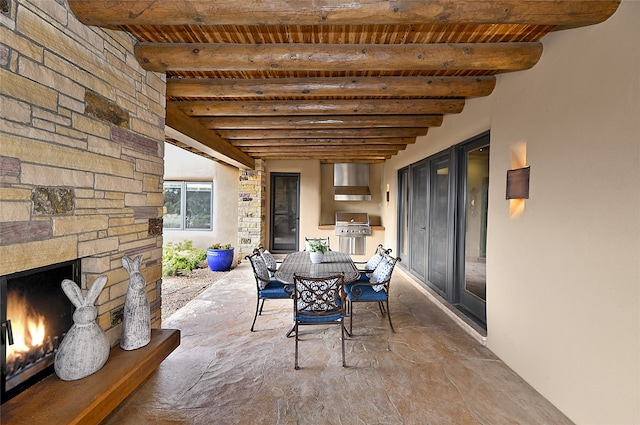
[{"x": 181, "y": 257}]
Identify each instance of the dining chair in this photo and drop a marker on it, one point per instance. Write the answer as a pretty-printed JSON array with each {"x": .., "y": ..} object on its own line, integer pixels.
[
  {"x": 375, "y": 289},
  {"x": 318, "y": 301},
  {"x": 268, "y": 287},
  {"x": 367, "y": 268},
  {"x": 269, "y": 259}
]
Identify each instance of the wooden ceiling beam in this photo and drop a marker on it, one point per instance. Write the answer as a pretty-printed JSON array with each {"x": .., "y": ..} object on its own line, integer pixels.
[
  {"x": 326, "y": 121},
  {"x": 343, "y": 133},
  {"x": 340, "y": 157},
  {"x": 177, "y": 120},
  {"x": 163, "y": 57},
  {"x": 321, "y": 107},
  {"x": 349, "y": 150},
  {"x": 343, "y": 160},
  {"x": 569, "y": 13},
  {"x": 411, "y": 87},
  {"x": 326, "y": 142},
  {"x": 324, "y": 155}
]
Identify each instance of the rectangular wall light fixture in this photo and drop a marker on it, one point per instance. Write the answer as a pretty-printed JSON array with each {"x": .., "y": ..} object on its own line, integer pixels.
[{"x": 518, "y": 183}]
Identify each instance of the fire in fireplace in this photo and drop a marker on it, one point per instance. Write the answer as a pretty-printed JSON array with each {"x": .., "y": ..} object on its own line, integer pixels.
[{"x": 36, "y": 314}]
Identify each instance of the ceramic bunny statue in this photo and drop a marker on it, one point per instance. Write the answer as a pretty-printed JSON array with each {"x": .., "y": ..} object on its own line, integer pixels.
[
  {"x": 85, "y": 348},
  {"x": 136, "y": 323}
]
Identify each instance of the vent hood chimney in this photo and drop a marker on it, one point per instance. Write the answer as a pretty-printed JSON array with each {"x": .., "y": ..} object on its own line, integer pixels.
[{"x": 351, "y": 182}]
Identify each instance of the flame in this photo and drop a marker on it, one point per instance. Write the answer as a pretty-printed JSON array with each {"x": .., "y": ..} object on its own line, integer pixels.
[{"x": 28, "y": 325}]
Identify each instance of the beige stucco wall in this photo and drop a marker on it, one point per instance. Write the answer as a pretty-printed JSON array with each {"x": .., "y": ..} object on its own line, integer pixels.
[
  {"x": 186, "y": 166},
  {"x": 563, "y": 279}
]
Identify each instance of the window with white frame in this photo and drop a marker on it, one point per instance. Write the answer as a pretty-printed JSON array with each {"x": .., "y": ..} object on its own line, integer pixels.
[{"x": 187, "y": 205}]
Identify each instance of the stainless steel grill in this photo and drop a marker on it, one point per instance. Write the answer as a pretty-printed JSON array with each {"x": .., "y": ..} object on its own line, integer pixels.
[
  {"x": 352, "y": 224},
  {"x": 352, "y": 229}
]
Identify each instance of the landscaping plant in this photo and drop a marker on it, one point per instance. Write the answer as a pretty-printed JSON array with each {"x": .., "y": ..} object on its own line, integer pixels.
[{"x": 181, "y": 258}]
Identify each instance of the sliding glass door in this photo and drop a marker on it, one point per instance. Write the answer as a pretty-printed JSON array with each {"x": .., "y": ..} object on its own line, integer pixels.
[
  {"x": 442, "y": 225},
  {"x": 426, "y": 203}
]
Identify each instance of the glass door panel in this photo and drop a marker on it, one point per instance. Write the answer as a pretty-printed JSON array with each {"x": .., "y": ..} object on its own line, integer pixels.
[
  {"x": 474, "y": 195},
  {"x": 403, "y": 215},
  {"x": 285, "y": 206},
  {"x": 438, "y": 223},
  {"x": 418, "y": 219}
]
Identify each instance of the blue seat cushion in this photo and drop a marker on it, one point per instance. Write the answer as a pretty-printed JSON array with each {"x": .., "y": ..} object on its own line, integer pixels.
[
  {"x": 304, "y": 318},
  {"x": 364, "y": 277},
  {"x": 274, "y": 290},
  {"x": 368, "y": 294}
]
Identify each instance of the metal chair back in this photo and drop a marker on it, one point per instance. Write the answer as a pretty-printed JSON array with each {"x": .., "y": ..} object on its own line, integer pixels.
[
  {"x": 318, "y": 301},
  {"x": 373, "y": 289},
  {"x": 267, "y": 287}
]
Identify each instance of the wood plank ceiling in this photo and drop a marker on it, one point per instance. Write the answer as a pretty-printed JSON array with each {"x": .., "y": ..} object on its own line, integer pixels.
[{"x": 330, "y": 80}]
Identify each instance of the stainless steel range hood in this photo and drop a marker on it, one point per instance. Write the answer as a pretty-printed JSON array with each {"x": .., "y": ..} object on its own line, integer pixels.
[{"x": 351, "y": 182}]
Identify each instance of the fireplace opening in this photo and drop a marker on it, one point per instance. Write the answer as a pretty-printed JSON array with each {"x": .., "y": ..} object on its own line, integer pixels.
[{"x": 36, "y": 314}]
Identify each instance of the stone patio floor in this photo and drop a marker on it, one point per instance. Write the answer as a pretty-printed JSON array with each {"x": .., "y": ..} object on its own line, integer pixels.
[{"x": 429, "y": 372}]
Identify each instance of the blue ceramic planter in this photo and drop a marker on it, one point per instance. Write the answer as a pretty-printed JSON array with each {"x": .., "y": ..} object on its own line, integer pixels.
[{"x": 220, "y": 260}]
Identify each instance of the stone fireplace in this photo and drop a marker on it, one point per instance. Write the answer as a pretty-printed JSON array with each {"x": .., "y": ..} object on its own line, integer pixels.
[
  {"x": 81, "y": 154},
  {"x": 35, "y": 315}
]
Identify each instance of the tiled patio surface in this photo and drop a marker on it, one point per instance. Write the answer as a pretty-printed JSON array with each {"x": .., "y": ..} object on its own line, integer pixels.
[{"x": 428, "y": 372}]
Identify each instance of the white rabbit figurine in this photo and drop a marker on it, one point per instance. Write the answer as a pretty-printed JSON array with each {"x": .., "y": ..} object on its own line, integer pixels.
[
  {"x": 85, "y": 348},
  {"x": 136, "y": 323}
]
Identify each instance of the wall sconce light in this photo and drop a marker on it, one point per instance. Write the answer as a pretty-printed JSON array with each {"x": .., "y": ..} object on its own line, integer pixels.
[
  {"x": 518, "y": 183},
  {"x": 387, "y": 192}
]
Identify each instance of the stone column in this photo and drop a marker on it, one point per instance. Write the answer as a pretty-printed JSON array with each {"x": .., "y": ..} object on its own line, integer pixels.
[{"x": 251, "y": 209}]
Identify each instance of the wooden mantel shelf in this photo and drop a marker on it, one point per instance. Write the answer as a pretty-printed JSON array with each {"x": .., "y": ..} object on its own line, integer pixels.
[{"x": 91, "y": 399}]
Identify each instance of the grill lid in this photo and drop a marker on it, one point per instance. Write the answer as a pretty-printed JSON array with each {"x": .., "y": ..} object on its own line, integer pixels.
[
  {"x": 352, "y": 224},
  {"x": 351, "y": 218}
]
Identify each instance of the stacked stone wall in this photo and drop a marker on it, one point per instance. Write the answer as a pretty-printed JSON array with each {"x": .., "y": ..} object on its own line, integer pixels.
[
  {"x": 81, "y": 153},
  {"x": 251, "y": 209}
]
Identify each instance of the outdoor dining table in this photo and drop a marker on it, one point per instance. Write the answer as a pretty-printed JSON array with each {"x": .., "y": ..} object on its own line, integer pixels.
[{"x": 333, "y": 262}]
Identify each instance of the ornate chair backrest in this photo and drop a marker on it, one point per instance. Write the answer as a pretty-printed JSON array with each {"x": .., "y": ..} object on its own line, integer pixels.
[
  {"x": 318, "y": 296},
  {"x": 260, "y": 270},
  {"x": 381, "y": 276}
]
